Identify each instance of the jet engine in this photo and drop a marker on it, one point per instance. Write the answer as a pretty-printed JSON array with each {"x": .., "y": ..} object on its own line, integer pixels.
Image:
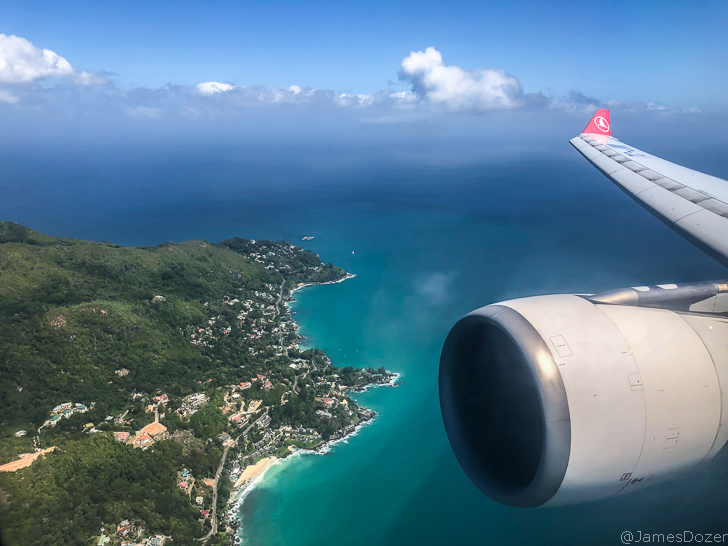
[{"x": 562, "y": 399}]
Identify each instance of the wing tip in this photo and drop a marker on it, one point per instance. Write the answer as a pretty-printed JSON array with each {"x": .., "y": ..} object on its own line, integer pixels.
[{"x": 599, "y": 124}]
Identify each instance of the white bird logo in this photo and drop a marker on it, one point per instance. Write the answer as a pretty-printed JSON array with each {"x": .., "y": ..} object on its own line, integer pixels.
[{"x": 601, "y": 123}]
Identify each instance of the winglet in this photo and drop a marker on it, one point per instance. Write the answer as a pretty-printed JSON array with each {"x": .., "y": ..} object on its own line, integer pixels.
[{"x": 599, "y": 124}]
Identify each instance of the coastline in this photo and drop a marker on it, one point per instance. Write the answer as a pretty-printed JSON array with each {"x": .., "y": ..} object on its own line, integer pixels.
[
  {"x": 240, "y": 492},
  {"x": 256, "y": 473},
  {"x": 307, "y": 284},
  {"x": 255, "y": 470}
]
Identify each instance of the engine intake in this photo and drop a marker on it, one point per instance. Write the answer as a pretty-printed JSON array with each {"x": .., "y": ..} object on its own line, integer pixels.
[{"x": 558, "y": 399}]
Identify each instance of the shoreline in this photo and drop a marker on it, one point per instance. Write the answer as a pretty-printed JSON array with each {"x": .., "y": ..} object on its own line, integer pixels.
[
  {"x": 307, "y": 284},
  {"x": 246, "y": 483},
  {"x": 237, "y": 496},
  {"x": 253, "y": 471},
  {"x": 391, "y": 383}
]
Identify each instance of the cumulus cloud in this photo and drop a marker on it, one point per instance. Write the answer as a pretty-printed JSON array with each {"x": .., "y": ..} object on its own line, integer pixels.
[
  {"x": 86, "y": 78},
  {"x": 213, "y": 88},
  {"x": 22, "y": 62},
  {"x": 455, "y": 89},
  {"x": 35, "y": 78}
]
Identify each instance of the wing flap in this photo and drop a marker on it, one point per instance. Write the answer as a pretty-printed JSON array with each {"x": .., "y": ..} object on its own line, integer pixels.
[
  {"x": 666, "y": 205},
  {"x": 707, "y": 230},
  {"x": 606, "y": 165},
  {"x": 631, "y": 181}
]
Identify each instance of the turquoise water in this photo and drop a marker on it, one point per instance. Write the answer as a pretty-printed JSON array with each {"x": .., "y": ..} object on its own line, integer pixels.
[
  {"x": 429, "y": 244},
  {"x": 418, "y": 269}
]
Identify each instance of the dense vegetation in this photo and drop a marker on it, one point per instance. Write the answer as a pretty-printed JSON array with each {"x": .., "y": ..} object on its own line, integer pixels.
[{"x": 73, "y": 313}]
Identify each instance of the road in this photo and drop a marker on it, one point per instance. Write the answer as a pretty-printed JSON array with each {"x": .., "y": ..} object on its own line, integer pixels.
[
  {"x": 280, "y": 297},
  {"x": 304, "y": 374},
  {"x": 213, "y": 531}
]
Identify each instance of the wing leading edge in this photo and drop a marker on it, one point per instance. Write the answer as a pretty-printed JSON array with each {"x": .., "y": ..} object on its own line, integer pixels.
[{"x": 690, "y": 202}]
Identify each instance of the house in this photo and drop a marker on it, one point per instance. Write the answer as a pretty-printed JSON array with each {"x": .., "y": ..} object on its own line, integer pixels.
[
  {"x": 123, "y": 528},
  {"x": 54, "y": 420},
  {"x": 20, "y": 433},
  {"x": 161, "y": 399},
  {"x": 142, "y": 439},
  {"x": 223, "y": 437},
  {"x": 245, "y": 385},
  {"x": 199, "y": 500},
  {"x": 261, "y": 376},
  {"x": 185, "y": 473},
  {"x": 121, "y": 436},
  {"x": 327, "y": 401},
  {"x": 67, "y": 413},
  {"x": 57, "y": 409},
  {"x": 66, "y": 405},
  {"x": 205, "y": 513},
  {"x": 267, "y": 385},
  {"x": 183, "y": 485},
  {"x": 81, "y": 408}
]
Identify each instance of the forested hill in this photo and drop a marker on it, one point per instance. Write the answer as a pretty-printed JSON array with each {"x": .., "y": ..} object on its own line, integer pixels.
[
  {"x": 72, "y": 312},
  {"x": 102, "y": 346}
]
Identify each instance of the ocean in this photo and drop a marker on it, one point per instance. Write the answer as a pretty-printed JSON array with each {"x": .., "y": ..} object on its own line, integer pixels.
[{"x": 428, "y": 243}]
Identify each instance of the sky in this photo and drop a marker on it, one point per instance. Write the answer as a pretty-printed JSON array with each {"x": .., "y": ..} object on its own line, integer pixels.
[
  {"x": 429, "y": 82},
  {"x": 671, "y": 54}
]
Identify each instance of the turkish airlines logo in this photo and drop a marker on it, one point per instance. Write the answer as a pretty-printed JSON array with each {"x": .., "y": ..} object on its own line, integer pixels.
[{"x": 602, "y": 124}]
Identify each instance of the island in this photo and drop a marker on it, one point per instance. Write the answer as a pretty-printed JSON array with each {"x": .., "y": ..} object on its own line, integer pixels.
[{"x": 143, "y": 388}]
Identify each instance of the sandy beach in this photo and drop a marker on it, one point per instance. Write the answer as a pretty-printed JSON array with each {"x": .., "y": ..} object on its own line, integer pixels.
[{"x": 253, "y": 471}]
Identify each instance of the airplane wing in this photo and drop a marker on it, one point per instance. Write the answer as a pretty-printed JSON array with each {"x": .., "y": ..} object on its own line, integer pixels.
[{"x": 690, "y": 202}]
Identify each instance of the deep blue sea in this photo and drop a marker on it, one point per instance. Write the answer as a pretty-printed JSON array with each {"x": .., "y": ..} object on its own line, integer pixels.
[{"x": 428, "y": 243}]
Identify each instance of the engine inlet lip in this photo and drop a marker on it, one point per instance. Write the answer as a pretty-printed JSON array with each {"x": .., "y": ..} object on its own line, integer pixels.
[{"x": 556, "y": 421}]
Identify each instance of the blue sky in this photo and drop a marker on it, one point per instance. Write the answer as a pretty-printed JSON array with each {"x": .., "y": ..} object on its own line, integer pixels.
[{"x": 670, "y": 53}]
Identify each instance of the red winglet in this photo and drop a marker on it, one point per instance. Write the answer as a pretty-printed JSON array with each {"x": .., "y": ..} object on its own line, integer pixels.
[{"x": 599, "y": 124}]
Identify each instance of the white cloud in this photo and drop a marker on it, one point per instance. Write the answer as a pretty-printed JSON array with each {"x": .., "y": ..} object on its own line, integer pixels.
[
  {"x": 361, "y": 100},
  {"x": 435, "y": 87},
  {"x": 86, "y": 78},
  {"x": 213, "y": 88},
  {"x": 455, "y": 89},
  {"x": 22, "y": 62}
]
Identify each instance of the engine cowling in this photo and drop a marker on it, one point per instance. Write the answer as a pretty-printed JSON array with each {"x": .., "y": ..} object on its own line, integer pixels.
[{"x": 555, "y": 400}]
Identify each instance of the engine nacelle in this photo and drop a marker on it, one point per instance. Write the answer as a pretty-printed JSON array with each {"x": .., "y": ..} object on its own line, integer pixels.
[{"x": 555, "y": 400}]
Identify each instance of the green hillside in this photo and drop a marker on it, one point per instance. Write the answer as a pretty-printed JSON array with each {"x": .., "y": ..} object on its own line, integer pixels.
[{"x": 107, "y": 328}]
